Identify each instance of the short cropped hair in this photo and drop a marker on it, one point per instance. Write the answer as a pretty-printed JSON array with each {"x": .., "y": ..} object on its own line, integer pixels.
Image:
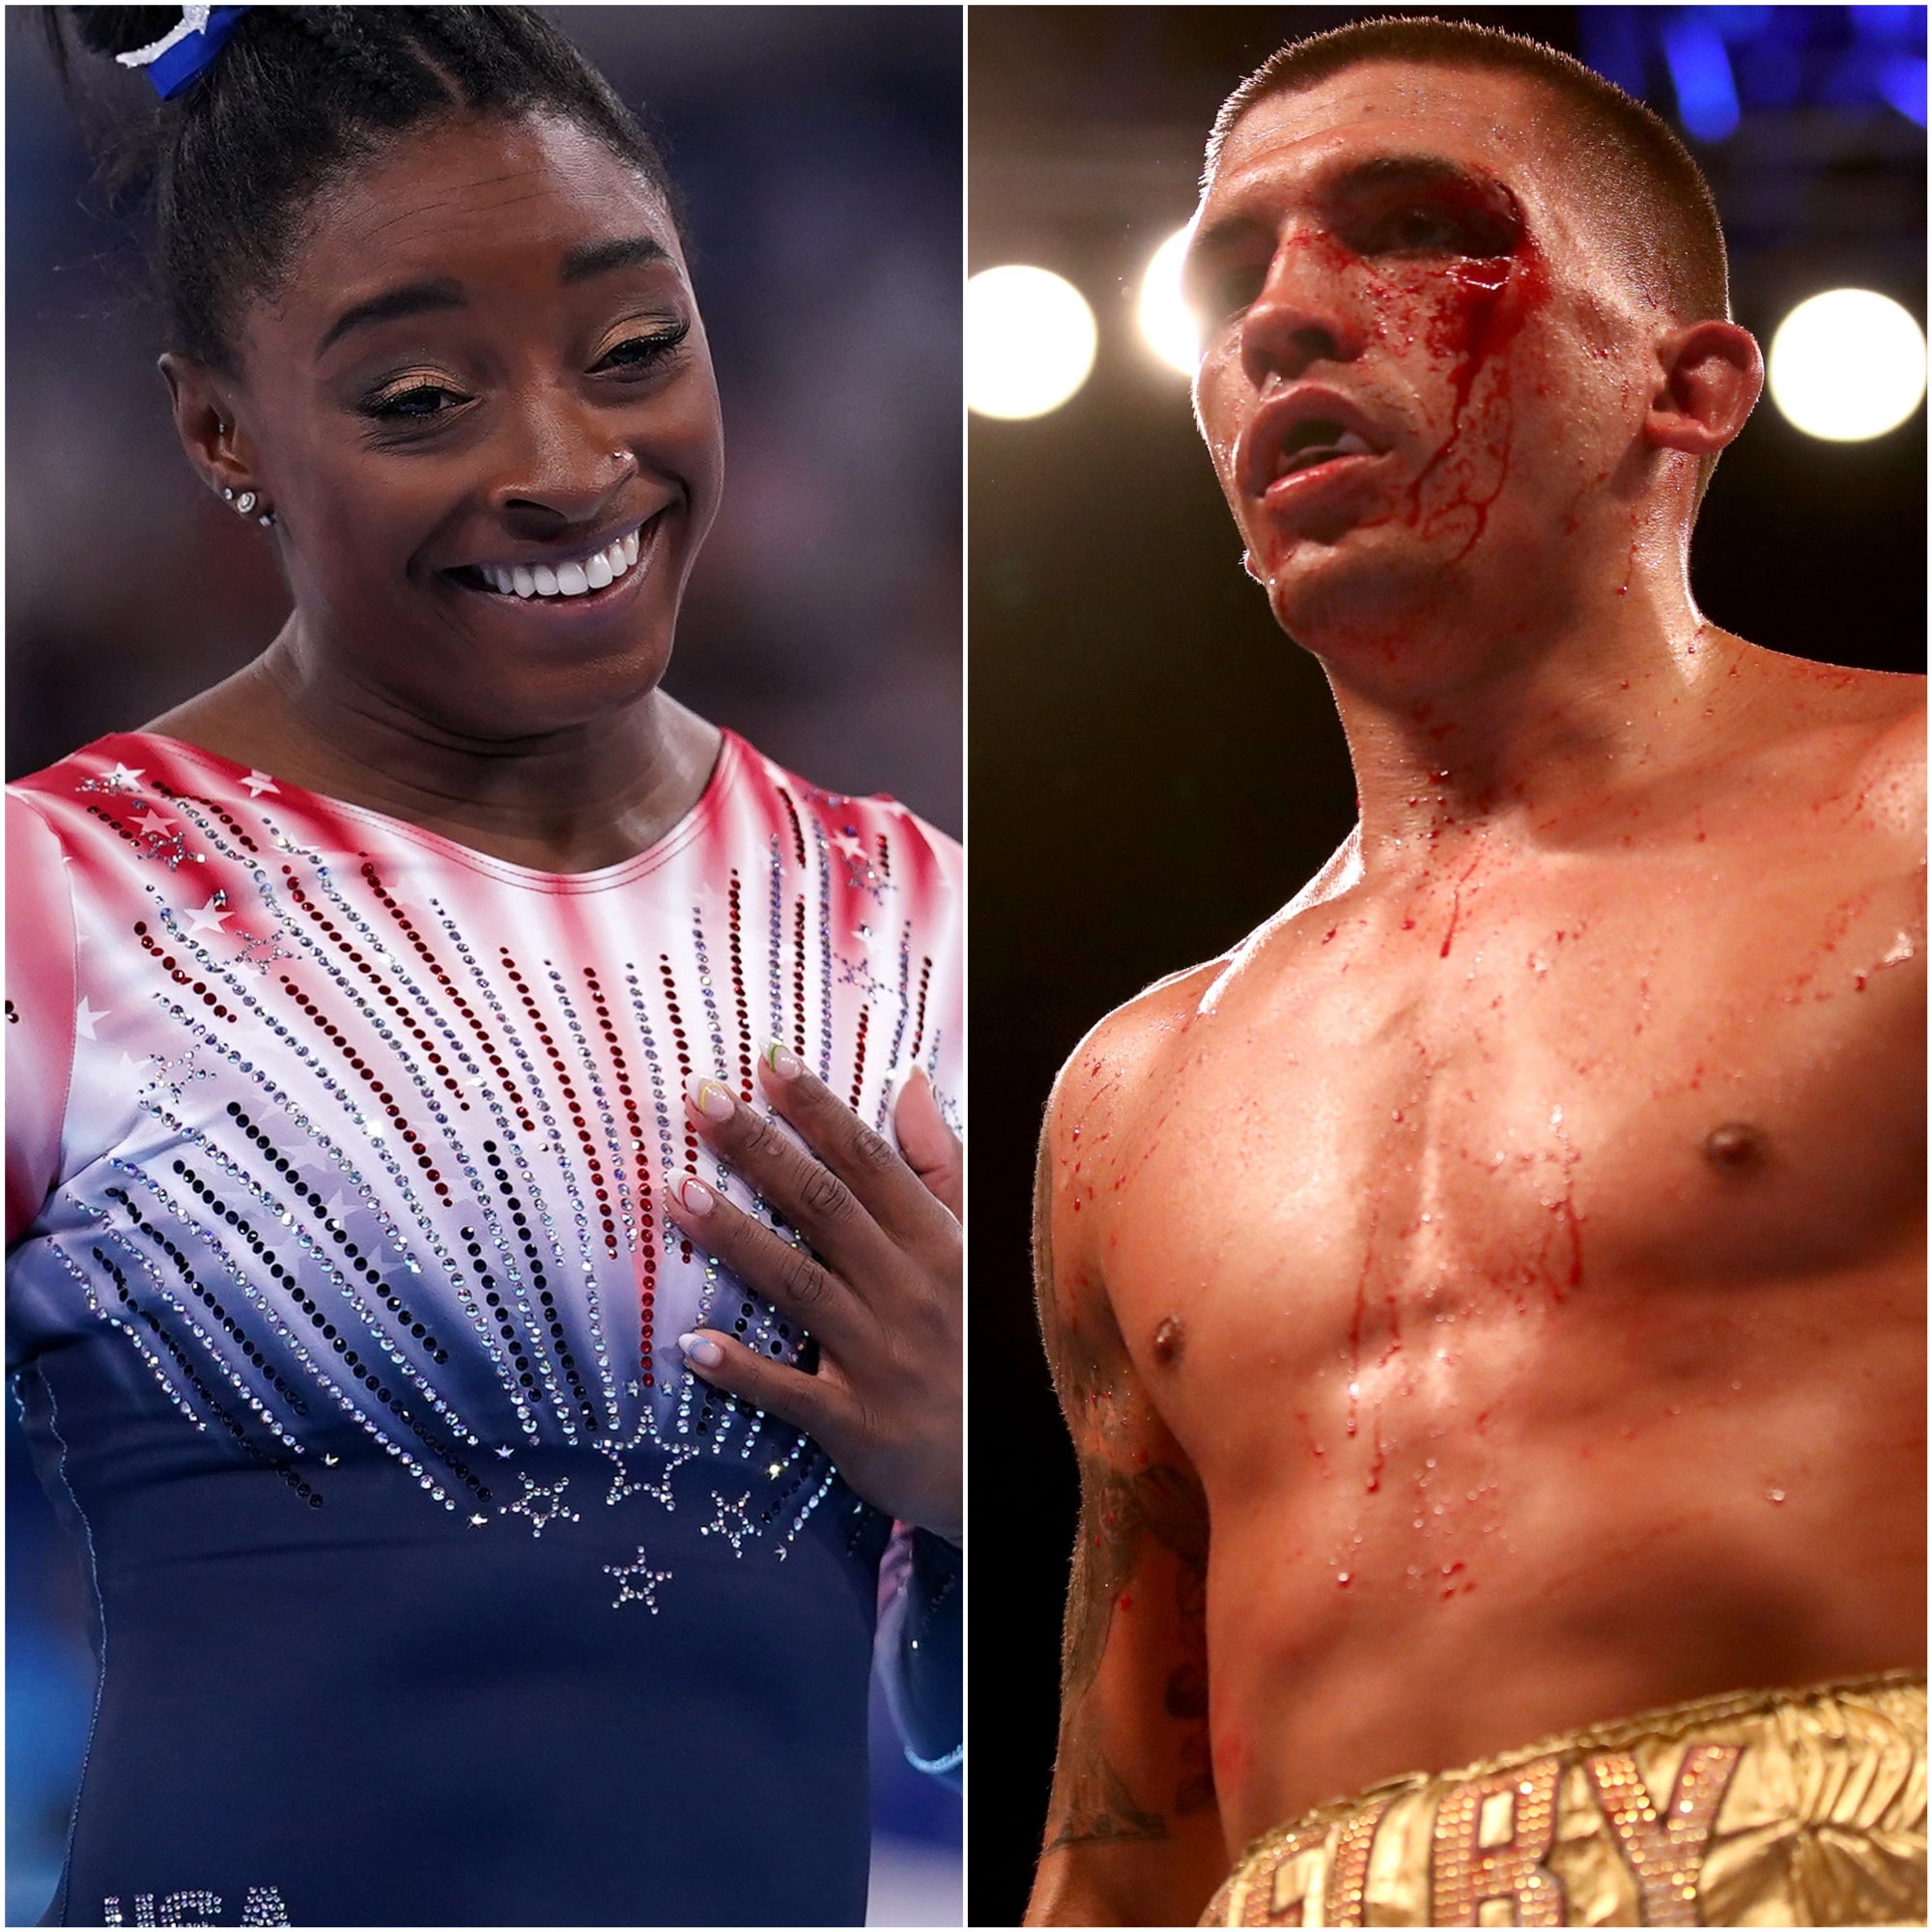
[{"x": 1636, "y": 174}]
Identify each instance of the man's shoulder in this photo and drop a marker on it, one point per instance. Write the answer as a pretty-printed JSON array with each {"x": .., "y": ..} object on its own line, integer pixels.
[
  {"x": 1891, "y": 793},
  {"x": 1119, "y": 1063},
  {"x": 1112, "y": 1064},
  {"x": 1869, "y": 730}
]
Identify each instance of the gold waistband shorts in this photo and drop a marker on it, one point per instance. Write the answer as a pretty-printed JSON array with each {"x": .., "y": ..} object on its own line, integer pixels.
[{"x": 1784, "y": 1807}]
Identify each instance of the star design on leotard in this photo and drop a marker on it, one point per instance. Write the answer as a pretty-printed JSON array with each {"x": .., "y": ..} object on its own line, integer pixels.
[
  {"x": 171, "y": 849},
  {"x": 260, "y": 954},
  {"x": 150, "y": 817},
  {"x": 258, "y": 782},
  {"x": 859, "y": 973},
  {"x": 624, "y": 1483},
  {"x": 85, "y": 1016},
  {"x": 731, "y": 1521},
  {"x": 636, "y": 1582},
  {"x": 860, "y": 874},
  {"x": 120, "y": 780},
  {"x": 542, "y": 1502},
  {"x": 209, "y": 917},
  {"x": 175, "y": 1076}
]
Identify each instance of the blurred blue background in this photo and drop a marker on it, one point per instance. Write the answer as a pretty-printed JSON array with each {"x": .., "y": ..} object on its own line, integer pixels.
[{"x": 819, "y": 152}]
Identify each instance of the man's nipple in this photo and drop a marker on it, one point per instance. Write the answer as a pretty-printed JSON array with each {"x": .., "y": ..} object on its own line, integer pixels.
[
  {"x": 1735, "y": 1147},
  {"x": 1169, "y": 1337}
]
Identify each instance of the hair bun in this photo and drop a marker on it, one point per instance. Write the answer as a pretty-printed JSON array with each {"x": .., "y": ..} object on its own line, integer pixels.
[{"x": 120, "y": 30}]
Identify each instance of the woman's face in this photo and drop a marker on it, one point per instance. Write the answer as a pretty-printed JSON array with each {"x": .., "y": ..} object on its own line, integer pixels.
[{"x": 485, "y": 373}]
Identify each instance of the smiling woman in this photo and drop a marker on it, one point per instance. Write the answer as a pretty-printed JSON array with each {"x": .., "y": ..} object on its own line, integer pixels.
[{"x": 484, "y": 1266}]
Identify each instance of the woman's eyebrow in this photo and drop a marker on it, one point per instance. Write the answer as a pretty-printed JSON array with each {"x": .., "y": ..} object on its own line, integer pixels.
[
  {"x": 601, "y": 258},
  {"x": 409, "y": 299},
  {"x": 593, "y": 258}
]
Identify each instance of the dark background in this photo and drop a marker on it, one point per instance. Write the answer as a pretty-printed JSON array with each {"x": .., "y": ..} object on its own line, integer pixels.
[
  {"x": 819, "y": 152},
  {"x": 1155, "y": 768}
]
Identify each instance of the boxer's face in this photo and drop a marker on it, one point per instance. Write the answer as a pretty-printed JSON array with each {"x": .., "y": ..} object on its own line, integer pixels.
[{"x": 1425, "y": 368}]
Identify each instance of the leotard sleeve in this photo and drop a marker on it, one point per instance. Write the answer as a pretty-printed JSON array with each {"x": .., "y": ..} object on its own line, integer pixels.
[{"x": 40, "y": 1008}]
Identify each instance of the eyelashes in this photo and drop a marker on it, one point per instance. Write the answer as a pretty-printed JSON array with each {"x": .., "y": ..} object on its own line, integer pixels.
[
  {"x": 421, "y": 402},
  {"x": 648, "y": 352}
]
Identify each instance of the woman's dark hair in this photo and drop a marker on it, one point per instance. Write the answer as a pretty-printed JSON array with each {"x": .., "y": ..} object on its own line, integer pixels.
[{"x": 300, "y": 95}]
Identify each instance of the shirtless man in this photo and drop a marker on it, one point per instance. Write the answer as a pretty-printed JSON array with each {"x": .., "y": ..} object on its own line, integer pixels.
[{"x": 1489, "y": 1302}]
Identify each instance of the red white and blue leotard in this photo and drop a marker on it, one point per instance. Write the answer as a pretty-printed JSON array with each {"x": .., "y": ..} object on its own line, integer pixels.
[{"x": 430, "y": 1587}]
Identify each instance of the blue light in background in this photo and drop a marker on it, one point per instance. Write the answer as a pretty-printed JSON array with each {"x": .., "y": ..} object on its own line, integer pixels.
[
  {"x": 1613, "y": 46},
  {"x": 1901, "y": 79},
  {"x": 1726, "y": 61},
  {"x": 1890, "y": 24},
  {"x": 1700, "y": 72},
  {"x": 1746, "y": 23}
]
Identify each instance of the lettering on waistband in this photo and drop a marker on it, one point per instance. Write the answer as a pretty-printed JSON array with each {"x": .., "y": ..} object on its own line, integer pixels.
[
  {"x": 1311, "y": 1877},
  {"x": 1492, "y": 1835},
  {"x": 1275, "y": 1887},
  {"x": 1349, "y": 1867},
  {"x": 1667, "y": 1852},
  {"x": 197, "y": 1906}
]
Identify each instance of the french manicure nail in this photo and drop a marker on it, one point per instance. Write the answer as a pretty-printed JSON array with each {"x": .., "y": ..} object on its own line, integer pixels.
[
  {"x": 783, "y": 1060},
  {"x": 707, "y": 1354},
  {"x": 698, "y": 1198},
  {"x": 713, "y": 1102}
]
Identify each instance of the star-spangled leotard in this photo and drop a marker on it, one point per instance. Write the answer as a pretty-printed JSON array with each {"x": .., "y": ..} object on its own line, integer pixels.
[{"x": 430, "y": 1586}]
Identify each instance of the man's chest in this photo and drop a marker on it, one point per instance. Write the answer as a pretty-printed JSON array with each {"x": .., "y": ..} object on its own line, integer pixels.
[{"x": 1526, "y": 1099}]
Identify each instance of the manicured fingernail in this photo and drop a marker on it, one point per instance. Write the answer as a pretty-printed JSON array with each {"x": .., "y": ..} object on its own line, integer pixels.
[
  {"x": 698, "y": 1198},
  {"x": 707, "y": 1354},
  {"x": 713, "y": 1102},
  {"x": 783, "y": 1060}
]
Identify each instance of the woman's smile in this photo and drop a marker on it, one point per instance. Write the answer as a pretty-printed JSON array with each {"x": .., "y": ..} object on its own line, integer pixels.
[{"x": 589, "y": 575}]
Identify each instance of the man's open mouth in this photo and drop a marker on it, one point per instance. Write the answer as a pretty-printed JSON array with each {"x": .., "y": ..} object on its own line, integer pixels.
[
  {"x": 1314, "y": 441},
  {"x": 583, "y": 574}
]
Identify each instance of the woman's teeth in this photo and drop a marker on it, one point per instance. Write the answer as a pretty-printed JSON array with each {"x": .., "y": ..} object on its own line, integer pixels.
[{"x": 568, "y": 580}]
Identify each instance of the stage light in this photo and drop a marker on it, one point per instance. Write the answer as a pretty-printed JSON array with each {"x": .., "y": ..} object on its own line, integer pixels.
[
  {"x": 1166, "y": 322},
  {"x": 1901, "y": 79},
  {"x": 1701, "y": 71},
  {"x": 1847, "y": 365},
  {"x": 1030, "y": 340}
]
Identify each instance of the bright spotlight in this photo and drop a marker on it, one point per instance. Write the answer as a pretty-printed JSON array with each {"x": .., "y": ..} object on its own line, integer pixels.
[
  {"x": 1847, "y": 365},
  {"x": 1030, "y": 340},
  {"x": 1166, "y": 320}
]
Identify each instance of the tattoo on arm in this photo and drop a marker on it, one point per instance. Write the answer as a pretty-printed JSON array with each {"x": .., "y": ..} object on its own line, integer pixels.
[
  {"x": 1119, "y": 1511},
  {"x": 1096, "y": 1808}
]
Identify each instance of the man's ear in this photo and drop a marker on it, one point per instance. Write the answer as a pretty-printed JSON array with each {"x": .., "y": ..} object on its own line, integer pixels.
[
  {"x": 205, "y": 421},
  {"x": 1710, "y": 377}
]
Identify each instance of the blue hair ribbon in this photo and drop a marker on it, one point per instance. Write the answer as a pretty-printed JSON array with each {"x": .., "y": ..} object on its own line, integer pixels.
[{"x": 184, "y": 54}]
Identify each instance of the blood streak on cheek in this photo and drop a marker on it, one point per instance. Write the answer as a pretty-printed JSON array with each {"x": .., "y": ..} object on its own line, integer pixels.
[{"x": 1470, "y": 316}]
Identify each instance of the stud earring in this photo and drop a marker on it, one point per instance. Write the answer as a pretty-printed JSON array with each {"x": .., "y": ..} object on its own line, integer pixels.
[{"x": 245, "y": 502}]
